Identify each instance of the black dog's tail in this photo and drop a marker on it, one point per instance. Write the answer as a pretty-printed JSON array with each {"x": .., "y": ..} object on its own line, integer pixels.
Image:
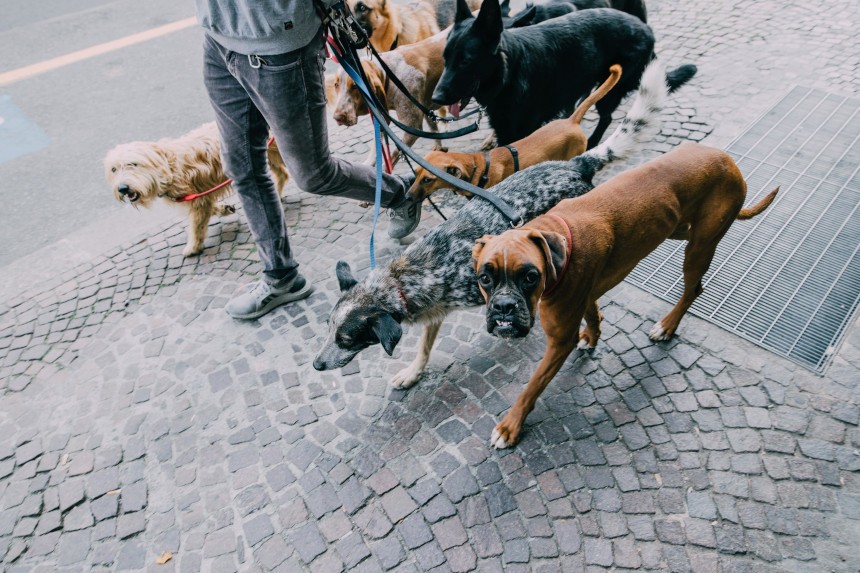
[
  {"x": 641, "y": 120},
  {"x": 680, "y": 76}
]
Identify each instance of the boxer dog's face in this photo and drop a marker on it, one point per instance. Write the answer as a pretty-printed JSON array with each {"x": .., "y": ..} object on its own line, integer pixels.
[{"x": 514, "y": 269}]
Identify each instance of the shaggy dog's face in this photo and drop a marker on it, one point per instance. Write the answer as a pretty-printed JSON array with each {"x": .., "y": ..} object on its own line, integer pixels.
[{"x": 137, "y": 172}]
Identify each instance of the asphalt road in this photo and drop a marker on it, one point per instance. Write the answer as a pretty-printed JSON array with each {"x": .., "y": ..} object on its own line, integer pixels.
[{"x": 56, "y": 126}]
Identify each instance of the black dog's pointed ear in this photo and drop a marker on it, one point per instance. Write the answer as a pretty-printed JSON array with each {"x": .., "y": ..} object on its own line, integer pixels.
[
  {"x": 523, "y": 17},
  {"x": 388, "y": 331},
  {"x": 489, "y": 19},
  {"x": 463, "y": 11},
  {"x": 344, "y": 276},
  {"x": 506, "y": 8}
]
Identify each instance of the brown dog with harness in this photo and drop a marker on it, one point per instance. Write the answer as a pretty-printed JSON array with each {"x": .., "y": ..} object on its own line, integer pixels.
[
  {"x": 560, "y": 139},
  {"x": 565, "y": 260}
]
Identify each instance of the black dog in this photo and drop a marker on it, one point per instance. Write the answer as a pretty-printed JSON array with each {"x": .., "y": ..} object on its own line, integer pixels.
[
  {"x": 554, "y": 8},
  {"x": 528, "y": 76}
]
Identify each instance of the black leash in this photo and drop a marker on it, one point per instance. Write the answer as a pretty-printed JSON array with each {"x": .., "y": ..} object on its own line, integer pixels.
[
  {"x": 429, "y": 113},
  {"x": 343, "y": 27}
]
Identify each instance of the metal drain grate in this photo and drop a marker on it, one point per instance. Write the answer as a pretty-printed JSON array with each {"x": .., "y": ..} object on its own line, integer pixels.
[{"x": 789, "y": 279}]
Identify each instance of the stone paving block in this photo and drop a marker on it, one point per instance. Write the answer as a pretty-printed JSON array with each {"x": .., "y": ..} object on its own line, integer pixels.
[
  {"x": 273, "y": 552},
  {"x": 73, "y": 547},
  {"x": 414, "y": 531},
  {"x": 258, "y": 529}
]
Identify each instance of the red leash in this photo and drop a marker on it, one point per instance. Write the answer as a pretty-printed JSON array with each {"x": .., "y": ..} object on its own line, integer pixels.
[{"x": 194, "y": 196}]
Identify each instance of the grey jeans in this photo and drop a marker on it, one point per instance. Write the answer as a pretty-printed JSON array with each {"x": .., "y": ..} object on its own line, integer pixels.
[{"x": 284, "y": 93}]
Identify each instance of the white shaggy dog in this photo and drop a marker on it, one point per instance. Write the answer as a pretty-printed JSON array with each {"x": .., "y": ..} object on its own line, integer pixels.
[{"x": 141, "y": 171}]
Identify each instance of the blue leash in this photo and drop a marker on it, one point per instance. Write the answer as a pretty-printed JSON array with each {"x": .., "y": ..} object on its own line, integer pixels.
[{"x": 377, "y": 202}]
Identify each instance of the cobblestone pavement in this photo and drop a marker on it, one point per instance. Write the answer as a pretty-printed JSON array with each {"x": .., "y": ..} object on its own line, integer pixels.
[{"x": 136, "y": 418}]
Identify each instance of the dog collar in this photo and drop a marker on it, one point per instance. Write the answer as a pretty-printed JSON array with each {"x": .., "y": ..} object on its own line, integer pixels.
[
  {"x": 394, "y": 44},
  {"x": 403, "y": 300},
  {"x": 548, "y": 292},
  {"x": 515, "y": 154},
  {"x": 218, "y": 187}
]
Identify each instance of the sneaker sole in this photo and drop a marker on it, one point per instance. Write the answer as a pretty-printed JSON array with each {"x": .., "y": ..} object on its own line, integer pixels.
[{"x": 276, "y": 302}]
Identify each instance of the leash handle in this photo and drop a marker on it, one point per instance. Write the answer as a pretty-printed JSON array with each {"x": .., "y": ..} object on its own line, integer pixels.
[{"x": 512, "y": 215}]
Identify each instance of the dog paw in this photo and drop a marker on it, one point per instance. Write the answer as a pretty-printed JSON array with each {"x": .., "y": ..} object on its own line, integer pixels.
[
  {"x": 658, "y": 333},
  {"x": 505, "y": 434},
  {"x": 497, "y": 441},
  {"x": 405, "y": 378},
  {"x": 584, "y": 344},
  {"x": 191, "y": 250}
]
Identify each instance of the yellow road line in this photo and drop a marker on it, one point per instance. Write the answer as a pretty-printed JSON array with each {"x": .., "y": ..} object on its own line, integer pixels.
[{"x": 13, "y": 76}]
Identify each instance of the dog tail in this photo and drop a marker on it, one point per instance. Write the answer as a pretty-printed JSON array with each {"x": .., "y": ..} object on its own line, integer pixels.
[
  {"x": 680, "y": 76},
  {"x": 597, "y": 95},
  {"x": 751, "y": 212},
  {"x": 643, "y": 117}
]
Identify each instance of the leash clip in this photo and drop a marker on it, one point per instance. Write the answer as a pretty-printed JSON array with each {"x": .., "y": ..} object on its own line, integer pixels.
[
  {"x": 518, "y": 223},
  {"x": 254, "y": 61}
]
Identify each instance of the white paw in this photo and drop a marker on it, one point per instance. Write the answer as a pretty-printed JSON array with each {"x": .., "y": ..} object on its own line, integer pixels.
[
  {"x": 658, "y": 333},
  {"x": 406, "y": 378},
  {"x": 497, "y": 441},
  {"x": 191, "y": 250},
  {"x": 583, "y": 345}
]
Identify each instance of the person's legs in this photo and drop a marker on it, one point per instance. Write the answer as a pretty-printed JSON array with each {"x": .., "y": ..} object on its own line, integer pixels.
[
  {"x": 243, "y": 149},
  {"x": 289, "y": 91}
]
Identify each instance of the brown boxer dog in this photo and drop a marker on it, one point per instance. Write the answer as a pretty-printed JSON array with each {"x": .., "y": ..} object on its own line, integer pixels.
[{"x": 565, "y": 260}]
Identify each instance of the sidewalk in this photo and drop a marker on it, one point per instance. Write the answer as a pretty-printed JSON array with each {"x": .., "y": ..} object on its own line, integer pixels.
[{"x": 136, "y": 418}]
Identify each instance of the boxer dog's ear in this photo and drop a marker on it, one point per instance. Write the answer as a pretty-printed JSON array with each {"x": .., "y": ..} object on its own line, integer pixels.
[
  {"x": 345, "y": 280},
  {"x": 388, "y": 331},
  {"x": 476, "y": 250},
  {"x": 554, "y": 249}
]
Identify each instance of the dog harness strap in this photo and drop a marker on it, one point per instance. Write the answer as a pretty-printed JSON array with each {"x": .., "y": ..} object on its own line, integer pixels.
[
  {"x": 515, "y": 154},
  {"x": 394, "y": 44},
  {"x": 548, "y": 291},
  {"x": 482, "y": 182}
]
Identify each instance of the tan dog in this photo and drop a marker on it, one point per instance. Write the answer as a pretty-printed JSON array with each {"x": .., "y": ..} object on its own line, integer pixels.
[
  {"x": 418, "y": 66},
  {"x": 565, "y": 260},
  {"x": 560, "y": 139},
  {"x": 142, "y": 171},
  {"x": 391, "y": 24}
]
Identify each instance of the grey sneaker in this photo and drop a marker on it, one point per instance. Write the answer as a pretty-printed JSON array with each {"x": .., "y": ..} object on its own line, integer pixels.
[
  {"x": 263, "y": 297},
  {"x": 404, "y": 219}
]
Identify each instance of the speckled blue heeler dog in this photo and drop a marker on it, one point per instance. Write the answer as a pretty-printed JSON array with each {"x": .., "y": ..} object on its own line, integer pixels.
[{"x": 434, "y": 275}]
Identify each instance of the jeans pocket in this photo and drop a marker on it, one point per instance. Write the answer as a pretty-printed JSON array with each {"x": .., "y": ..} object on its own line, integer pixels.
[{"x": 284, "y": 68}]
